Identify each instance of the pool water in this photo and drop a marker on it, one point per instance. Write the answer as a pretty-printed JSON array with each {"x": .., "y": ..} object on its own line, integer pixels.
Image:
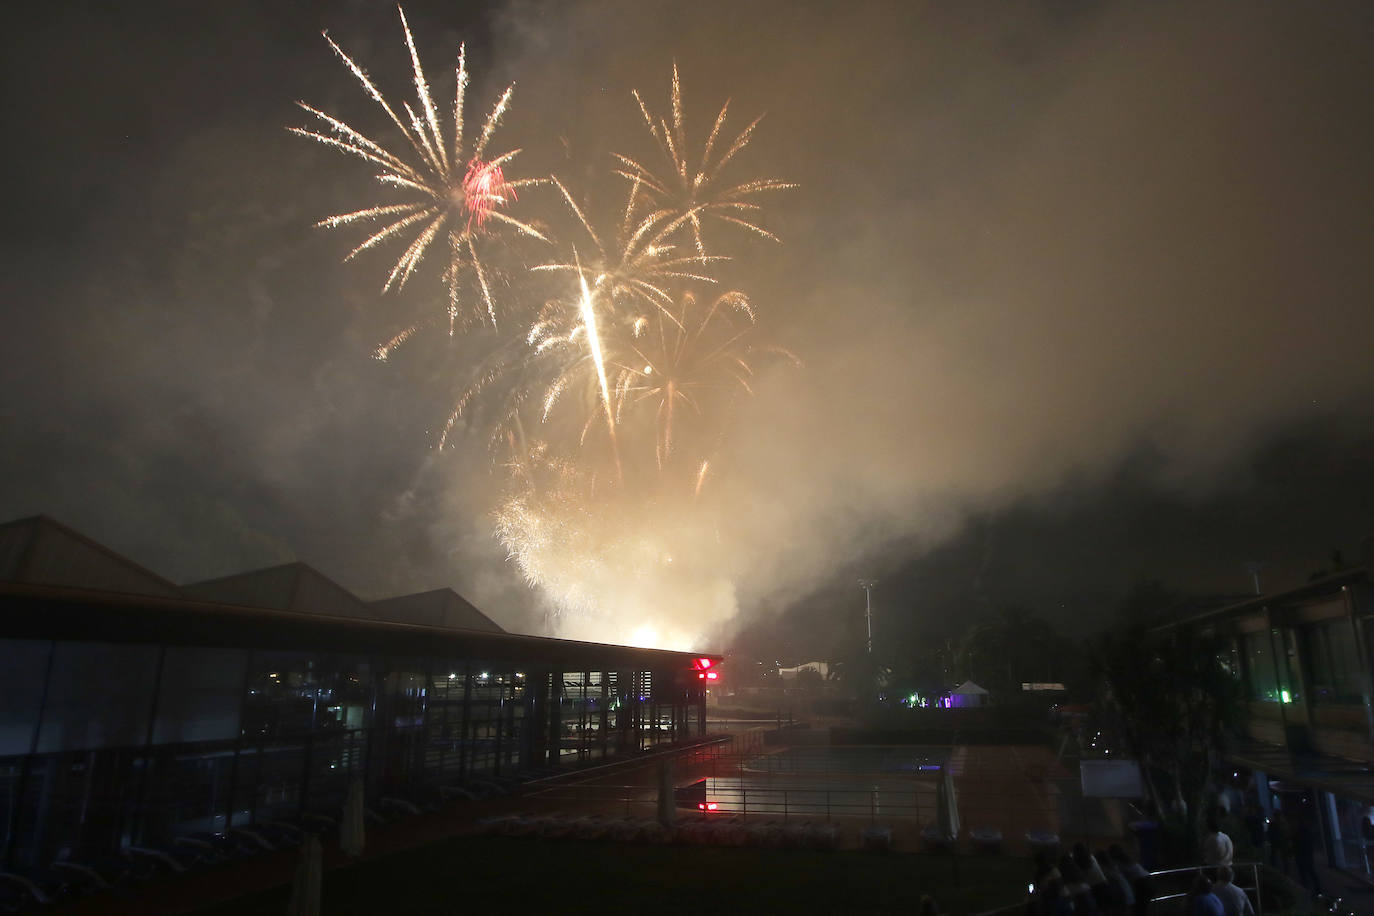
[{"x": 831, "y": 782}]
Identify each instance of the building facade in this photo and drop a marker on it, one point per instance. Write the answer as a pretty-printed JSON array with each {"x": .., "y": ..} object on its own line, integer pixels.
[
  {"x": 137, "y": 712},
  {"x": 1304, "y": 659}
]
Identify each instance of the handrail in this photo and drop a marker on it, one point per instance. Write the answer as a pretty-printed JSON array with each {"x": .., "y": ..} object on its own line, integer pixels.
[
  {"x": 1254, "y": 868},
  {"x": 1164, "y": 872}
]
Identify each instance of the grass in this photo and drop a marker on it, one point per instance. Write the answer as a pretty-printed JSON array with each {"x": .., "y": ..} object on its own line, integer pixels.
[{"x": 520, "y": 875}]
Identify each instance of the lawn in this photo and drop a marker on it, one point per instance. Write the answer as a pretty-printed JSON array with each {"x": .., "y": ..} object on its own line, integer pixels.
[{"x": 522, "y": 875}]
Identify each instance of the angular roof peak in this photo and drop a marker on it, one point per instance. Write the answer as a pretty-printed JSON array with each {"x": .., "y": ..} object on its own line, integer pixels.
[
  {"x": 40, "y": 550},
  {"x": 440, "y": 607},
  {"x": 292, "y": 586}
]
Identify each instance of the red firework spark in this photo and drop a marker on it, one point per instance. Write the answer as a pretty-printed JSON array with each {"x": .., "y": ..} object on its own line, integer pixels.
[{"x": 484, "y": 189}]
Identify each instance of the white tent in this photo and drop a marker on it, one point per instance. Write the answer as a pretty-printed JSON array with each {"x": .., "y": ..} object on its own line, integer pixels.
[{"x": 967, "y": 694}]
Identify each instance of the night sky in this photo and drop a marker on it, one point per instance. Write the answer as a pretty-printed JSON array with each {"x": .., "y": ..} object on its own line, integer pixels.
[{"x": 1082, "y": 293}]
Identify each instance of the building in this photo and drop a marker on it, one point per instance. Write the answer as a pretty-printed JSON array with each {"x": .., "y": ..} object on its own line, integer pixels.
[
  {"x": 1304, "y": 661},
  {"x": 820, "y": 669},
  {"x": 137, "y": 711}
]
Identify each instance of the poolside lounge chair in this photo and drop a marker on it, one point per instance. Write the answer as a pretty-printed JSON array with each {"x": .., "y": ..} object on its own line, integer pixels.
[{"x": 986, "y": 839}]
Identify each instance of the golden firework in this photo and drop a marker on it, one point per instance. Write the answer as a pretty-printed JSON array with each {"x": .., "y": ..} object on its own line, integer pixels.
[
  {"x": 687, "y": 189},
  {"x": 691, "y": 361},
  {"x": 641, "y": 264}
]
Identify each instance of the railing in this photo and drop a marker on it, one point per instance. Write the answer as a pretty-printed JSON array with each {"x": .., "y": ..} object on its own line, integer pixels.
[
  {"x": 771, "y": 786},
  {"x": 1192, "y": 870},
  {"x": 833, "y": 762},
  {"x": 748, "y": 801},
  {"x": 1236, "y": 869}
]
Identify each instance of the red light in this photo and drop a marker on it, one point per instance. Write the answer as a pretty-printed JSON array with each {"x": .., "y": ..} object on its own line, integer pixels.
[
  {"x": 704, "y": 663},
  {"x": 707, "y": 806},
  {"x": 711, "y": 676},
  {"x": 701, "y": 676}
]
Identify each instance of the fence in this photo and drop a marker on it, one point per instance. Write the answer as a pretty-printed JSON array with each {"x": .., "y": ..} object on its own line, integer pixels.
[{"x": 755, "y": 801}]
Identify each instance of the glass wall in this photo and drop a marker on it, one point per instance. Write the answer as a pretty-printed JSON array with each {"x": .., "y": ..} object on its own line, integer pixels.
[
  {"x": 1269, "y": 670},
  {"x": 105, "y": 745},
  {"x": 1333, "y": 663}
]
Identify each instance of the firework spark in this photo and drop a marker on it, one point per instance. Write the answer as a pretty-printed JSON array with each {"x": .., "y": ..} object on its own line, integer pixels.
[
  {"x": 454, "y": 188},
  {"x": 685, "y": 193},
  {"x": 692, "y": 360},
  {"x": 642, "y": 264}
]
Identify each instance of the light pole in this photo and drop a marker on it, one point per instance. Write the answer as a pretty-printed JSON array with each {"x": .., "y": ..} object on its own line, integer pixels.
[{"x": 867, "y": 586}]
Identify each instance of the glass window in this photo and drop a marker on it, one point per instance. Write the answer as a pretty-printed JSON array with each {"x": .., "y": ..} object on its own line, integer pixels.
[
  {"x": 200, "y": 695},
  {"x": 1334, "y": 667},
  {"x": 283, "y": 692},
  {"x": 99, "y": 695},
  {"x": 1268, "y": 676},
  {"x": 21, "y": 684},
  {"x": 187, "y": 789},
  {"x": 1229, "y": 660}
]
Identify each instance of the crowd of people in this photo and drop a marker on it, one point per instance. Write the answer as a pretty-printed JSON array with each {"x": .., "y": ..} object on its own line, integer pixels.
[
  {"x": 1111, "y": 883},
  {"x": 1108, "y": 882},
  {"x": 1217, "y": 896},
  {"x": 1287, "y": 839}
]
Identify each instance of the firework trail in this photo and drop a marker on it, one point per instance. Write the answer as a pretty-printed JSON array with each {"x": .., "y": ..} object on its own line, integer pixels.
[{"x": 454, "y": 188}]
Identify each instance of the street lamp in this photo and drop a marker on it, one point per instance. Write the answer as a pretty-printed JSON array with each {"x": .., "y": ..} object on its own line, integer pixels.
[{"x": 867, "y": 586}]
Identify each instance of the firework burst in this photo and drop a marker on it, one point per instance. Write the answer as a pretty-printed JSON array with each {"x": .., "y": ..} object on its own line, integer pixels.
[
  {"x": 639, "y": 267},
  {"x": 454, "y": 188},
  {"x": 688, "y": 363},
  {"x": 612, "y": 404},
  {"x": 687, "y": 189}
]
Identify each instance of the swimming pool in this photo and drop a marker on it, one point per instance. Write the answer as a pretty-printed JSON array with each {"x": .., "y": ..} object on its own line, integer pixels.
[
  {"x": 827, "y": 781},
  {"x": 850, "y": 760}
]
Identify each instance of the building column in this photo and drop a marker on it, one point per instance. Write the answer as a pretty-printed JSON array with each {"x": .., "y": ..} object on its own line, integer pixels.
[
  {"x": 1355, "y": 598},
  {"x": 555, "y": 733},
  {"x": 603, "y": 714},
  {"x": 1330, "y": 825}
]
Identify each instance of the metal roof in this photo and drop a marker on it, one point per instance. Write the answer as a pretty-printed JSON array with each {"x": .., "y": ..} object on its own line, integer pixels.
[
  {"x": 442, "y": 607},
  {"x": 289, "y": 587},
  {"x": 58, "y": 584},
  {"x": 1325, "y": 586},
  {"x": 46, "y": 612},
  {"x": 40, "y": 550}
]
